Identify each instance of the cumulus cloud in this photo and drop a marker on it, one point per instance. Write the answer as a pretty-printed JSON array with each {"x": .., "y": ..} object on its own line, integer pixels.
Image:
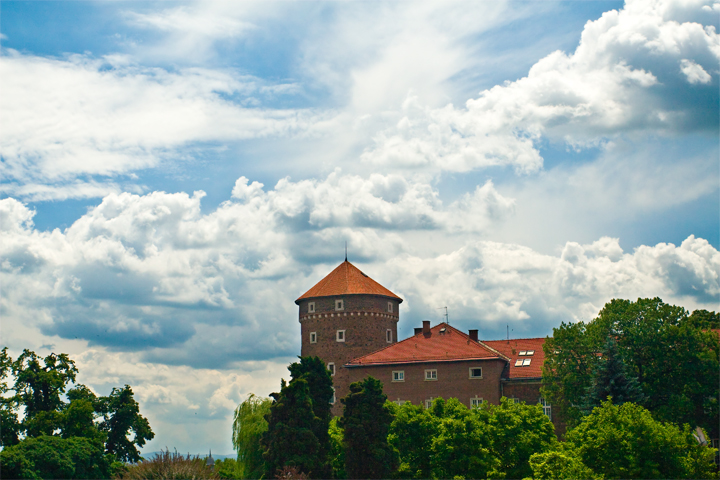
[{"x": 643, "y": 68}]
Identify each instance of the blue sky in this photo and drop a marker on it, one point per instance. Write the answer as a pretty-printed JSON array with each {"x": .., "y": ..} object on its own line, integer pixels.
[{"x": 175, "y": 174}]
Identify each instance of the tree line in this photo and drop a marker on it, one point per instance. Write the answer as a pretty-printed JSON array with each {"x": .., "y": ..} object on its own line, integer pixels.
[{"x": 633, "y": 385}]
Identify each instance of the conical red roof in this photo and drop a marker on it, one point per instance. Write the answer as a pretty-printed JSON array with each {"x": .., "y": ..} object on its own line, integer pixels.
[{"x": 347, "y": 279}]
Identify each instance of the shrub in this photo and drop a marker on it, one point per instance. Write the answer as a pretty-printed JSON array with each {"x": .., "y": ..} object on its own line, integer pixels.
[{"x": 169, "y": 466}]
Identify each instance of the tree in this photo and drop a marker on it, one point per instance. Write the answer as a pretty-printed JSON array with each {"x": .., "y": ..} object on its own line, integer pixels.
[
  {"x": 8, "y": 405},
  {"x": 366, "y": 421},
  {"x": 673, "y": 356},
  {"x": 610, "y": 378},
  {"x": 249, "y": 424},
  {"x": 289, "y": 440},
  {"x": 337, "y": 453},
  {"x": 411, "y": 435},
  {"x": 121, "y": 417},
  {"x": 314, "y": 371},
  {"x": 626, "y": 442},
  {"x": 560, "y": 464},
  {"x": 516, "y": 431}
]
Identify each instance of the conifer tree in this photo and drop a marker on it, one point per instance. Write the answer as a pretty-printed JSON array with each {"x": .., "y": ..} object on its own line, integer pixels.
[
  {"x": 611, "y": 379},
  {"x": 366, "y": 422}
]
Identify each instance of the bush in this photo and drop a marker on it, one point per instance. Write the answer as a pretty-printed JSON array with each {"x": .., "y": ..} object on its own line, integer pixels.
[{"x": 170, "y": 466}]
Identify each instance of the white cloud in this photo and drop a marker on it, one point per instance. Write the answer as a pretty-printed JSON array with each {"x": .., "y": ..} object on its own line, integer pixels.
[{"x": 619, "y": 79}]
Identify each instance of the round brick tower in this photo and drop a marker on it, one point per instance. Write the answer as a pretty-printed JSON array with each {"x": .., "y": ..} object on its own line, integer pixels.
[{"x": 345, "y": 316}]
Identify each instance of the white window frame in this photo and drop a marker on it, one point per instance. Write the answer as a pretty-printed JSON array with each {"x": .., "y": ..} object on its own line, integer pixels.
[
  {"x": 390, "y": 307},
  {"x": 522, "y": 353},
  {"x": 470, "y": 372},
  {"x": 311, "y": 307},
  {"x": 333, "y": 399},
  {"x": 388, "y": 335},
  {"x": 313, "y": 337},
  {"x": 339, "y": 305},
  {"x": 331, "y": 367},
  {"x": 530, "y": 353},
  {"x": 476, "y": 402},
  {"x": 431, "y": 375},
  {"x": 547, "y": 408},
  {"x": 526, "y": 362},
  {"x": 518, "y": 362},
  {"x": 398, "y": 375},
  {"x": 428, "y": 402},
  {"x": 340, "y": 336}
]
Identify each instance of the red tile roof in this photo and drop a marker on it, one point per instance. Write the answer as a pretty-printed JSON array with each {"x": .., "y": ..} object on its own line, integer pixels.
[
  {"x": 347, "y": 279},
  {"x": 450, "y": 345},
  {"x": 513, "y": 348}
]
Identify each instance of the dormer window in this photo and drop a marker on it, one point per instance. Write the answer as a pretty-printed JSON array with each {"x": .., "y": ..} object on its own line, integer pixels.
[
  {"x": 311, "y": 307},
  {"x": 339, "y": 305},
  {"x": 390, "y": 307}
]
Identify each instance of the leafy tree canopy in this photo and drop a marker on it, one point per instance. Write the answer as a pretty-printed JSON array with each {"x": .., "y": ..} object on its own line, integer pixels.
[{"x": 249, "y": 424}]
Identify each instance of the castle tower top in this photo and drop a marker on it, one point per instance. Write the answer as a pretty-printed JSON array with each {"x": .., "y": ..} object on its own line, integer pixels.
[{"x": 347, "y": 279}]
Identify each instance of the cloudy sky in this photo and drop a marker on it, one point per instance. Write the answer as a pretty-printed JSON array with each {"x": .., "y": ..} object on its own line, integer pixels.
[{"x": 175, "y": 175}]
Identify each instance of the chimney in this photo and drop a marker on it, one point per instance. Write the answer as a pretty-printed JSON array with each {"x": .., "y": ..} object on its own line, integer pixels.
[
  {"x": 473, "y": 335},
  {"x": 426, "y": 327},
  {"x": 418, "y": 330}
]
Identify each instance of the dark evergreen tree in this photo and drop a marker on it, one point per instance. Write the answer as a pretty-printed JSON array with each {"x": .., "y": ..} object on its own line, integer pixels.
[
  {"x": 289, "y": 440},
  {"x": 610, "y": 378},
  {"x": 366, "y": 422},
  {"x": 121, "y": 416},
  {"x": 314, "y": 371}
]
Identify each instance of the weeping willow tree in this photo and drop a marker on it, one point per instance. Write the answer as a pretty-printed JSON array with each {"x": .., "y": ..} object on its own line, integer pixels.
[{"x": 248, "y": 426}]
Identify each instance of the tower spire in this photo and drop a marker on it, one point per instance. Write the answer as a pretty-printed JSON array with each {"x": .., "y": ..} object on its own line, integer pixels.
[{"x": 346, "y": 250}]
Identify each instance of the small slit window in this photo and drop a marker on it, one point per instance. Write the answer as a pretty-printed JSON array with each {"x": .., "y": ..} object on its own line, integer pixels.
[
  {"x": 476, "y": 372},
  {"x": 332, "y": 400},
  {"x": 431, "y": 374},
  {"x": 331, "y": 367},
  {"x": 311, "y": 307},
  {"x": 398, "y": 376},
  {"x": 388, "y": 335},
  {"x": 340, "y": 335},
  {"x": 313, "y": 337},
  {"x": 339, "y": 305},
  {"x": 390, "y": 307}
]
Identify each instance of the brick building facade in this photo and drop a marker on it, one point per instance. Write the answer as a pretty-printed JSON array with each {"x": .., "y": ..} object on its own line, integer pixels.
[{"x": 350, "y": 322}]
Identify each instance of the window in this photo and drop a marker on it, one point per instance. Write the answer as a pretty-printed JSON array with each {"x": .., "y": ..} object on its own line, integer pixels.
[
  {"x": 526, "y": 353},
  {"x": 514, "y": 400},
  {"x": 431, "y": 374},
  {"x": 522, "y": 354},
  {"x": 331, "y": 367},
  {"x": 547, "y": 408},
  {"x": 475, "y": 372},
  {"x": 339, "y": 305},
  {"x": 518, "y": 362},
  {"x": 340, "y": 335},
  {"x": 523, "y": 362},
  {"x": 398, "y": 402},
  {"x": 311, "y": 307},
  {"x": 398, "y": 376},
  {"x": 526, "y": 362},
  {"x": 332, "y": 400},
  {"x": 390, "y": 307},
  {"x": 476, "y": 402},
  {"x": 428, "y": 402},
  {"x": 388, "y": 335},
  {"x": 530, "y": 352},
  {"x": 313, "y": 337}
]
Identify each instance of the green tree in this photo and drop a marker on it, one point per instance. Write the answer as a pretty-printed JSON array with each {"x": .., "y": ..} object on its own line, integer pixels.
[
  {"x": 8, "y": 404},
  {"x": 314, "y": 371},
  {"x": 121, "y": 417},
  {"x": 461, "y": 447},
  {"x": 249, "y": 424},
  {"x": 516, "y": 431},
  {"x": 626, "y": 442},
  {"x": 610, "y": 378},
  {"x": 366, "y": 421},
  {"x": 560, "y": 464},
  {"x": 411, "y": 435},
  {"x": 337, "y": 452},
  {"x": 50, "y": 457},
  {"x": 289, "y": 440}
]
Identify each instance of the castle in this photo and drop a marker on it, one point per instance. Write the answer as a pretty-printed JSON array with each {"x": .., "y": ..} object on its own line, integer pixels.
[{"x": 350, "y": 322}]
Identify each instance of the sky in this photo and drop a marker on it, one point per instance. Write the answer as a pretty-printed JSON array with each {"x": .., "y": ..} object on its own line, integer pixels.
[{"x": 173, "y": 175}]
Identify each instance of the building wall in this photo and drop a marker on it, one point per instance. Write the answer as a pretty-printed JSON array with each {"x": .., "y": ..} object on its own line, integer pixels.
[
  {"x": 365, "y": 319},
  {"x": 453, "y": 380},
  {"x": 529, "y": 392}
]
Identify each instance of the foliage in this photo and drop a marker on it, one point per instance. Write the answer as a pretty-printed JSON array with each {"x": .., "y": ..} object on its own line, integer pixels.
[
  {"x": 610, "y": 378},
  {"x": 169, "y": 466},
  {"x": 673, "y": 356},
  {"x": 249, "y": 424},
  {"x": 314, "y": 371},
  {"x": 516, "y": 431},
  {"x": 289, "y": 440},
  {"x": 8, "y": 405},
  {"x": 228, "y": 468},
  {"x": 411, "y": 435},
  {"x": 121, "y": 416},
  {"x": 366, "y": 421},
  {"x": 562, "y": 464},
  {"x": 291, "y": 473},
  {"x": 337, "y": 453},
  {"x": 54, "y": 457},
  {"x": 626, "y": 442}
]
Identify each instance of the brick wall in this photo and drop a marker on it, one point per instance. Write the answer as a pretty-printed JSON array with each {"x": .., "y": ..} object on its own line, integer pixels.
[
  {"x": 529, "y": 392},
  {"x": 365, "y": 319}
]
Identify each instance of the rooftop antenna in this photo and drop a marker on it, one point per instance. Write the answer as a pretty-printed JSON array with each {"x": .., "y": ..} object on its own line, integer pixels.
[
  {"x": 346, "y": 250},
  {"x": 447, "y": 320}
]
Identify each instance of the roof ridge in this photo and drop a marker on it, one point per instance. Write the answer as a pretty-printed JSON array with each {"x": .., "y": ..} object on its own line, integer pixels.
[{"x": 347, "y": 279}]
